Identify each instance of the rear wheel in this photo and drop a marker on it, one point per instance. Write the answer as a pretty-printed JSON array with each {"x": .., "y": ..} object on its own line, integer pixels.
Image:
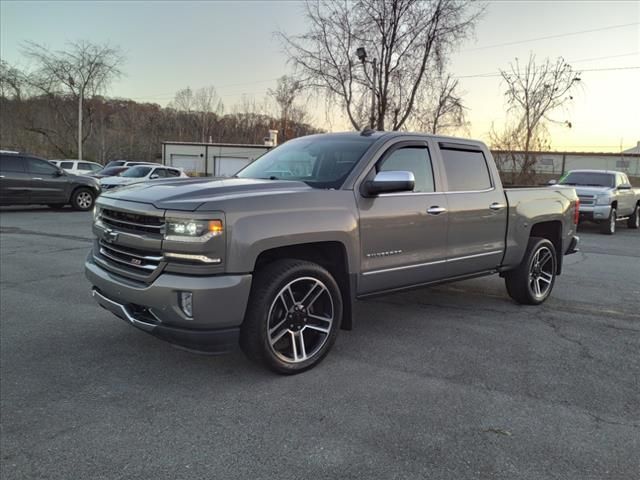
[
  {"x": 293, "y": 316},
  {"x": 634, "y": 219},
  {"x": 532, "y": 281},
  {"x": 83, "y": 199},
  {"x": 608, "y": 227}
]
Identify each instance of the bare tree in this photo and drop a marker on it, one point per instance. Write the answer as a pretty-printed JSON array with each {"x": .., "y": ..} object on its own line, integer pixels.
[
  {"x": 534, "y": 93},
  {"x": 207, "y": 104},
  {"x": 405, "y": 42},
  {"x": 12, "y": 81},
  {"x": 442, "y": 109},
  {"x": 285, "y": 94},
  {"x": 82, "y": 71}
]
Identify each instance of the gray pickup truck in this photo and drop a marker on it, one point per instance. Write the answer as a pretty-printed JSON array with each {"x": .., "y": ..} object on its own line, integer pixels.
[
  {"x": 606, "y": 197},
  {"x": 273, "y": 258}
]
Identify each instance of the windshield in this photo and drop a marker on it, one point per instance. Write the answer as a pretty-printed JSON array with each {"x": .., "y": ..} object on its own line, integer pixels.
[
  {"x": 589, "y": 179},
  {"x": 321, "y": 162},
  {"x": 136, "y": 172}
]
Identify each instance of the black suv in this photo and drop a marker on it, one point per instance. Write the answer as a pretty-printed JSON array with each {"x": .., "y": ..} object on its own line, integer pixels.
[{"x": 25, "y": 179}]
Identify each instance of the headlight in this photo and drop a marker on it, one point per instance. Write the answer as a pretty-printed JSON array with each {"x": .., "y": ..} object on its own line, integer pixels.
[
  {"x": 192, "y": 230},
  {"x": 603, "y": 199},
  {"x": 96, "y": 213}
]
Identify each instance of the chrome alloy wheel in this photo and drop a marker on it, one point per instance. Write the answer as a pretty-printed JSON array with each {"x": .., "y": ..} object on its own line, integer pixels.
[
  {"x": 300, "y": 320},
  {"x": 541, "y": 272},
  {"x": 84, "y": 200}
]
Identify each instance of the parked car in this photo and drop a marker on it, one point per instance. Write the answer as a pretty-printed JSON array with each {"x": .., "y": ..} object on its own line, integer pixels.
[
  {"x": 126, "y": 163},
  {"x": 109, "y": 172},
  {"x": 25, "y": 179},
  {"x": 77, "y": 167},
  {"x": 606, "y": 197},
  {"x": 141, "y": 173},
  {"x": 276, "y": 264}
]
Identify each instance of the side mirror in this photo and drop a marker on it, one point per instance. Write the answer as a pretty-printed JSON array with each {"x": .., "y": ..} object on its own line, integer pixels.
[
  {"x": 58, "y": 173},
  {"x": 389, "y": 182},
  {"x": 552, "y": 182},
  {"x": 624, "y": 186},
  {"x": 154, "y": 176}
]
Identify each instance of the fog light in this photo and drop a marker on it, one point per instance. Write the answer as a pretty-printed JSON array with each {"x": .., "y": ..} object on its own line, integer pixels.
[{"x": 186, "y": 303}]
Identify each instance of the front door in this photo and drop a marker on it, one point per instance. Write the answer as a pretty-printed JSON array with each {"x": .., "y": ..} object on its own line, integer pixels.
[
  {"x": 47, "y": 185},
  {"x": 403, "y": 235},
  {"x": 477, "y": 211}
]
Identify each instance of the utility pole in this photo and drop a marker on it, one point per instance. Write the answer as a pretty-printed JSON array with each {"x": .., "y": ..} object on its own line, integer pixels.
[{"x": 361, "y": 53}]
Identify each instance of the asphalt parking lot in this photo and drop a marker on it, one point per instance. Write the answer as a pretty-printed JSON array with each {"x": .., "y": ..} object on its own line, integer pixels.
[{"x": 452, "y": 382}]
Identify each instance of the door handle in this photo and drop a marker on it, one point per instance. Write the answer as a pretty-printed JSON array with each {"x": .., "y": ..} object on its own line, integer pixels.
[
  {"x": 497, "y": 206},
  {"x": 36, "y": 178},
  {"x": 435, "y": 210}
]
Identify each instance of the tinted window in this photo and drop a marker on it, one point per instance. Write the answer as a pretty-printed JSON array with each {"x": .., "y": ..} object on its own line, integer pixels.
[
  {"x": 160, "y": 172},
  {"x": 588, "y": 179},
  {"x": 137, "y": 172},
  {"x": 40, "y": 167},
  {"x": 12, "y": 164},
  {"x": 466, "y": 171},
  {"x": 68, "y": 165},
  {"x": 411, "y": 159},
  {"x": 173, "y": 173},
  {"x": 86, "y": 166}
]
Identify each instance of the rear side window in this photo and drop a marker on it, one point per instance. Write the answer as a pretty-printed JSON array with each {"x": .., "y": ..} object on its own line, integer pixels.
[
  {"x": 40, "y": 167},
  {"x": 67, "y": 165},
  {"x": 173, "y": 173},
  {"x": 12, "y": 164},
  {"x": 85, "y": 166},
  {"x": 411, "y": 159},
  {"x": 465, "y": 170}
]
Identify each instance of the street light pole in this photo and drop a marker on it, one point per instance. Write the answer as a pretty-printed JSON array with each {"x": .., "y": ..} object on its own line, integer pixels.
[
  {"x": 373, "y": 93},
  {"x": 80, "y": 123}
]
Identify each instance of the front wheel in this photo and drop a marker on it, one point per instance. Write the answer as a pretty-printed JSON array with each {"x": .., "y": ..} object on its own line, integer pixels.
[
  {"x": 83, "y": 199},
  {"x": 608, "y": 227},
  {"x": 634, "y": 219},
  {"x": 293, "y": 316},
  {"x": 531, "y": 282}
]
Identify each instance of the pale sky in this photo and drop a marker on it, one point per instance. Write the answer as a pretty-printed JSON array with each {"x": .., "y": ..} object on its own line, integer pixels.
[{"x": 232, "y": 46}]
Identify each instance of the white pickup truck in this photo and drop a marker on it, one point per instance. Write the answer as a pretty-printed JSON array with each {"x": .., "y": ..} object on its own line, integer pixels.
[{"x": 606, "y": 197}]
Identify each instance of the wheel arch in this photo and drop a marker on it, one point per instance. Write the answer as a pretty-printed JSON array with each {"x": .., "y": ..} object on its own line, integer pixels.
[
  {"x": 552, "y": 231},
  {"x": 331, "y": 255}
]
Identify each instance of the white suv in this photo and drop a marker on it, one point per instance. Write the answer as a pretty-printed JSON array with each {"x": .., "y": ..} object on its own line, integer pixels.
[
  {"x": 141, "y": 173},
  {"x": 77, "y": 167}
]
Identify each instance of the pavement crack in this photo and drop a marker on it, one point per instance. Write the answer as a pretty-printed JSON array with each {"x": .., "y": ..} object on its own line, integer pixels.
[
  {"x": 599, "y": 419},
  {"x": 556, "y": 329}
]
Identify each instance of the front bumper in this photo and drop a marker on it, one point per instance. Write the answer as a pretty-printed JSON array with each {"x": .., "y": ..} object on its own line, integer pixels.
[
  {"x": 594, "y": 213},
  {"x": 219, "y": 304}
]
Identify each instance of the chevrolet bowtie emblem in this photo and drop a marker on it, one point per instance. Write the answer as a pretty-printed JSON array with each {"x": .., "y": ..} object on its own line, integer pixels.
[{"x": 110, "y": 236}]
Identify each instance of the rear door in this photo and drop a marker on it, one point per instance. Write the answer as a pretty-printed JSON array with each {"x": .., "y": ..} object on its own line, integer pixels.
[
  {"x": 401, "y": 242},
  {"x": 47, "y": 185},
  {"x": 477, "y": 210},
  {"x": 626, "y": 197},
  {"x": 14, "y": 180}
]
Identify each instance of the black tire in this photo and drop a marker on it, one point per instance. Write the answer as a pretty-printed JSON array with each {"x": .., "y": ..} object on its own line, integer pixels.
[
  {"x": 82, "y": 199},
  {"x": 634, "y": 220},
  {"x": 608, "y": 227},
  {"x": 56, "y": 206},
  {"x": 520, "y": 282},
  {"x": 266, "y": 311}
]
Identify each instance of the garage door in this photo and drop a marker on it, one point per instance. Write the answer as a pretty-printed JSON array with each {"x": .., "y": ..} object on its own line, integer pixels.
[
  {"x": 229, "y": 166},
  {"x": 189, "y": 163}
]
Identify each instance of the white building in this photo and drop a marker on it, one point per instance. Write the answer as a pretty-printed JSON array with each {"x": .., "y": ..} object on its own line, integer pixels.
[{"x": 210, "y": 159}]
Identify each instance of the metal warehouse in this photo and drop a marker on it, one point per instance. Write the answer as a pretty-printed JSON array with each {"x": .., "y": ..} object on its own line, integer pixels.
[{"x": 210, "y": 159}]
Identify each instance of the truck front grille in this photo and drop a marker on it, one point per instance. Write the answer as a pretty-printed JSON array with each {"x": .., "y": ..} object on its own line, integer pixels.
[
  {"x": 133, "y": 260},
  {"x": 586, "y": 199},
  {"x": 132, "y": 222}
]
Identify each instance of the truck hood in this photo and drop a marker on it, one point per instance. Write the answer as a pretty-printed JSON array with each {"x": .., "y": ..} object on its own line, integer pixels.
[
  {"x": 191, "y": 194},
  {"x": 592, "y": 191}
]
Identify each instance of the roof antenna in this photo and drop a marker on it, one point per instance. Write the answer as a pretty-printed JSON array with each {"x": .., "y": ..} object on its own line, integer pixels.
[{"x": 367, "y": 132}]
